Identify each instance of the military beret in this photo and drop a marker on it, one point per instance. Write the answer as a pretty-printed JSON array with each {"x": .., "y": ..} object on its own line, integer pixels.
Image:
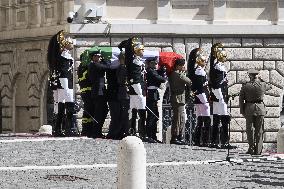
[
  {"x": 92, "y": 53},
  {"x": 253, "y": 71},
  {"x": 152, "y": 60}
]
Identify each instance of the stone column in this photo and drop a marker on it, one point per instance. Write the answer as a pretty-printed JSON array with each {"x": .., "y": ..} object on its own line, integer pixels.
[
  {"x": 164, "y": 11},
  {"x": 280, "y": 10},
  {"x": 35, "y": 14},
  {"x": 219, "y": 11}
]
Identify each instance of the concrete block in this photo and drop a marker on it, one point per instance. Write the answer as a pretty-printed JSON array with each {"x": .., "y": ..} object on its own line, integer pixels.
[
  {"x": 272, "y": 124},
  {"x": 275, "y": 91},
  {"x": 270, "y": 147},
  {"x": 236, "y": 137},
  {"x": 235, "y": 102},
  {"x": 191, "y": 43},
  {"x": 280, "y": 67},
  {"x": 246, "y": 65},
  {"x": 167, "y": 49},
  {"x": 264, "y": 75},
  {"x": 273, "y": 42},
  {"x": 179, "y": 46},
  {"x": 273, "y": 112},
  {"x": 154, "y": 42},
  {"x": 270, "y": 136},
  {"x": 267, "y": 54},
  {"x": 239, "y": 53},
  {"x": 232, "y": 78},
  {"x": 269, "y": 65},
  {"x": 238, "y": 124},
  {"x": 235, "y": 112},
  {"x": 100, "y": 41},
  {"x": 245, "y": 137},
  {"x": 276, "y": 79},
  {"x": 242, "y": 77},
  {"x": 272, "y": 101},
  {"x": 252, "y": 42},
  {"x": 228, "y": 42},
  {"x": 235, "y": 89},
  {"x": 206, "y": 44}
]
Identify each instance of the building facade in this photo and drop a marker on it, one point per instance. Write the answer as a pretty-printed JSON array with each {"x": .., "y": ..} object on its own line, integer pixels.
[{"x": 251, "y": 31}]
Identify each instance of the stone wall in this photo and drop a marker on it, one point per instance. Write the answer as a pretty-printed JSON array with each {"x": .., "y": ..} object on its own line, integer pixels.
[
  {"x": 23, "y": 79},
  {"x": 265, "y": 54}
]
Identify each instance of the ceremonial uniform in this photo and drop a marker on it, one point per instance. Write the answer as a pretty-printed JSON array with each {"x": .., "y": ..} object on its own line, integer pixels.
[
  {"x": 154, "y": 81},
  {"x": 177, "y": 81},
  {"x": 137, "y": 94},
  {"x": 253, "y": 108},
  {"x": 61, "y": 71},
  {"x": 202, "y": 108},
  {"x": 219, "y": 91}
]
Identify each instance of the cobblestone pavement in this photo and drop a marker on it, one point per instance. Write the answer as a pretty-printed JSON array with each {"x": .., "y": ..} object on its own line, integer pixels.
[{"x": 88, "y": 163}]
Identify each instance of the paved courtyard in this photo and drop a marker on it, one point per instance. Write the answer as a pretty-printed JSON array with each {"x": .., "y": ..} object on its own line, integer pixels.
[{"x": 43, "y": 162}]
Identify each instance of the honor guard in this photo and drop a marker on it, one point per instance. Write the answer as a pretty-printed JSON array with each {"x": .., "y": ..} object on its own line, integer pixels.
[
  {"x": 177, "y": 81},
  {"x": 137, "y": 85},
  {"x": 61, "y": 72},
  {"x": 199, "y": 87},
  {"x": 253, "y": 109},
  {"x": 154, "y": 81},
  {"x": 85, "y": 92},
  {"x": 219, "y": 91}
]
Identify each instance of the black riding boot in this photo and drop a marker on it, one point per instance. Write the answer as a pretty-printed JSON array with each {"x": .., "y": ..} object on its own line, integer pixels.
[
  {"x": 71, "y": 126},
  {"x": 215, "y": 131},
  {"x": 132, "y": 130},
  {"x": 197, "y": 132},
  {"x": 225, "y": 120},
  {"x": 57, "y": 131},
  {"x": 205, "y": 130}
]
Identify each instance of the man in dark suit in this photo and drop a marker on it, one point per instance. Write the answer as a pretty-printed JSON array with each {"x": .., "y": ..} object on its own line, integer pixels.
[
  {"x": 253, "y": 109},
  {"x": 177, "y": 81},
  {"x": 154, "y": 81}
]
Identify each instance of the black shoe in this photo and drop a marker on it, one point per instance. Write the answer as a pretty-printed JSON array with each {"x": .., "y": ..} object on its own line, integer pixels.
[
  {"x": 227, "y": 146},
  {"x": 148, "y": 139},
  {"x": 213, "y": 145},
  {"x": 177, "y": 142}
]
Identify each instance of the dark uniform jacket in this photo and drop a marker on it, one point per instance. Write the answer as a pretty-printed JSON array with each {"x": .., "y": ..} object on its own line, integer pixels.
[
  {"x": 112, "y": 84},
  {"x": 96, "y": 76},
  {"x": 218, "y": 79},
  {"x": 154, "y": 81},
  {"x": 121, "y": 74},
  {"x": 177, "y": 81},
  {"x": 136, "y": 71},
  {"x": 63, "y": 69},
  {"x": 199, "y": 83},
  {"x": 251, "y": 98}
]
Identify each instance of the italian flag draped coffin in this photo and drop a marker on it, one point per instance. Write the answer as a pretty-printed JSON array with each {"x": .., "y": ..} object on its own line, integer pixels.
[{"x": 111, "y": 53}]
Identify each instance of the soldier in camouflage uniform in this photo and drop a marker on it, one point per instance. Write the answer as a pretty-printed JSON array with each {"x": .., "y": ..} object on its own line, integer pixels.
[{"x": 253, "y": 109}]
